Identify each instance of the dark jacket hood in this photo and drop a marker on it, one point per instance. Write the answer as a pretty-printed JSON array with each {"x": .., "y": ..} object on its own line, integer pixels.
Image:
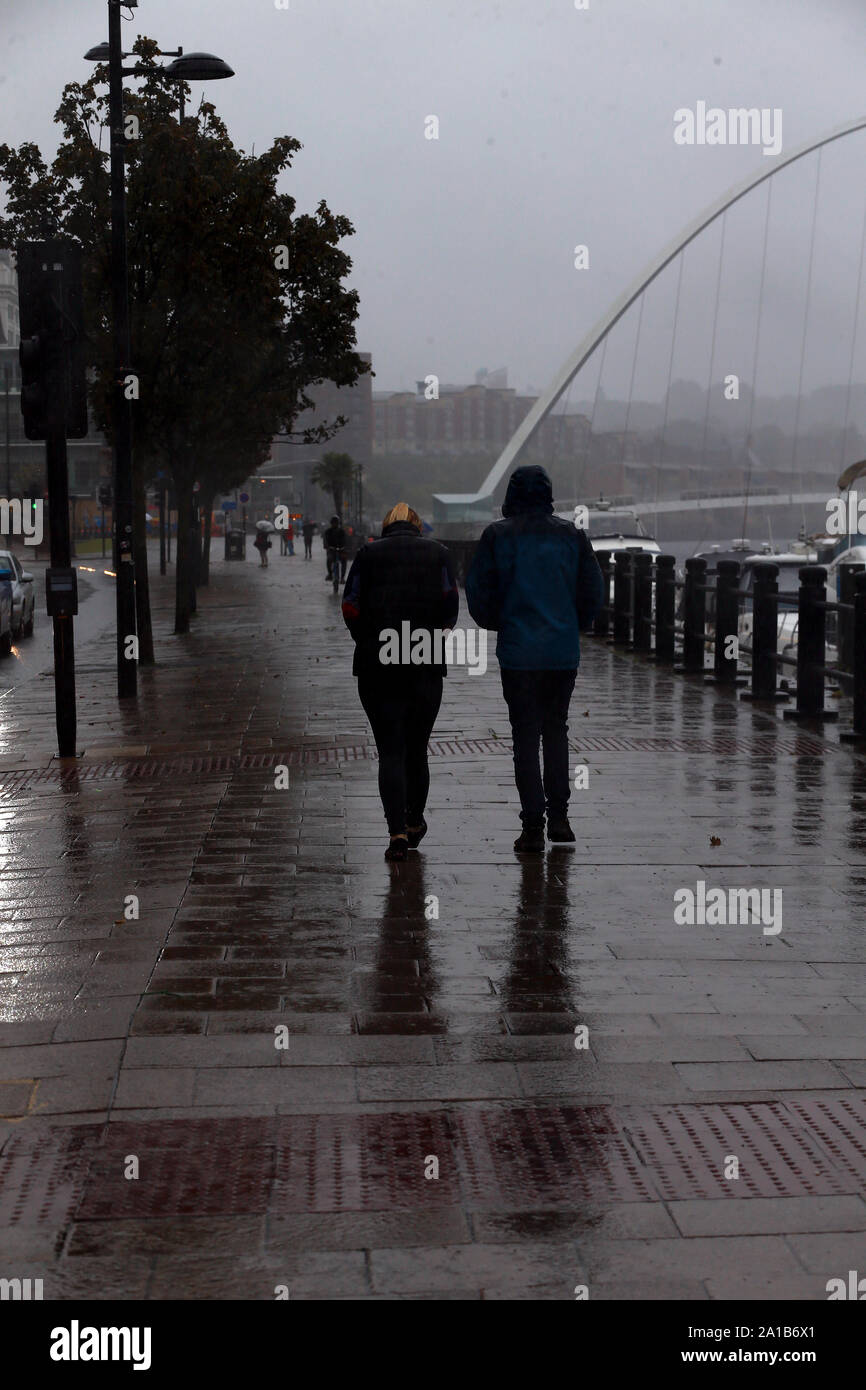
[
  {"x": 401, "y": 528},
  {"x": 529, "y": 490}
]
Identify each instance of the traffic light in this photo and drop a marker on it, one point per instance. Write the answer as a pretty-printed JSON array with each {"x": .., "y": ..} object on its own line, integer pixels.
[
  {"x": 34, "y": 386},
  {"x": 52, "y": 351},
  {"x": 34, "y": 494},
  {"x": 104, "y": 494}
]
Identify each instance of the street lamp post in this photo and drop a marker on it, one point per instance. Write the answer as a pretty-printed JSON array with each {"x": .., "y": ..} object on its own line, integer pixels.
[
  {"x": 186, "y": 67},
  {"x": 7, "y": 377},
  {"x": 127, "y": 662}
]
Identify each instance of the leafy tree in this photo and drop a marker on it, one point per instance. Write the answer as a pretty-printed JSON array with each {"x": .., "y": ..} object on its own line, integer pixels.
[
  {"x": 237, "y": 305},
  {"x": 335, "y": 474}
]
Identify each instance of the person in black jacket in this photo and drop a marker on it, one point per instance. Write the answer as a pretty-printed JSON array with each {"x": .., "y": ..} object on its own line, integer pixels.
[
  {"x": 401, "y": 594},
  {"x": 334, "y": 540}
]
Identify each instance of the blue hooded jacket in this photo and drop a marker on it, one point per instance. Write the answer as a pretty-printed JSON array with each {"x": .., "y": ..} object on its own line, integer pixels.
[{"x": 534, "y": 579}]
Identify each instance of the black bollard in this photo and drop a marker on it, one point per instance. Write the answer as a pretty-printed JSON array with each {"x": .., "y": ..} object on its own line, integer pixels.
[
  {"x": 694, "y": 615},
  {"x": 601, "y": 626},
  {"x": 622, "y": 576},
  {"x": 858, "y": 661},
  {"x": 666, "y": 602},
  {"x": 643, "y": 602},
  {"x": 765, "y": 628},
  {"x": 847, "y": 591},
  {"x": 811, "y": 645},
  {"x": 727, "y": 622}
]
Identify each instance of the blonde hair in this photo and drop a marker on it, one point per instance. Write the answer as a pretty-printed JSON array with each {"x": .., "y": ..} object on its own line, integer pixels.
[{"x": 402, "y": 512}]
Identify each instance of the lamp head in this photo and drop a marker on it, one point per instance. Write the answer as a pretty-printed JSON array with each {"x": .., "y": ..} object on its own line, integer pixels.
[{"x": 198, "y": 67}]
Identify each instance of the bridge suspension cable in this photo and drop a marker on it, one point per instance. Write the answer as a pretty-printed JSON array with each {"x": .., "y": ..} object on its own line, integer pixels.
[
  {"x": 667, "y": 404},
  {"x": 754, "y": 382},
  {"x": 713, "y": 339},
  {"x": 805, "y": 326}
]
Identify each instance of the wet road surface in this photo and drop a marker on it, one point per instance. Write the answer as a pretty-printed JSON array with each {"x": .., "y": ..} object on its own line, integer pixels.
[{"x": 238, "y": 1050}]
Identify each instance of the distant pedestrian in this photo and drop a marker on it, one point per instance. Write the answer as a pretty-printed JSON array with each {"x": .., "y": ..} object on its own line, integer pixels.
[
  {"x": 309, "y": 530},
  {"x": 290, "y": 538},
  {"x": 262, "y": 544},
  {"x": 334, "y": 540},
  {"x": 284, "y": 545},
  {"x": 535, "y": 580},
  {"x": 400, "y": 578}
]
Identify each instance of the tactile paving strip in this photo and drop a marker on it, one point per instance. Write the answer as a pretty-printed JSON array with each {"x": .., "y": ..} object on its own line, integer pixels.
[
  {"x": 504, "y": 1159},
  {"x": 42, "y": 1177},
  {"x": 199, "y": 1178},
  {"x": 215, "y": 765},
  {"x": 516, "y": 1160},
  {"x": 332, "y": 1163},
  {"x": 685, "y": 1148},
  {"x": 840, "y": 1124}
]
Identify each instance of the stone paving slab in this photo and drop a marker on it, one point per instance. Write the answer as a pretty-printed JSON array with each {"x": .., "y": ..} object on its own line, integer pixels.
[{"x": 414, "y": 1037}]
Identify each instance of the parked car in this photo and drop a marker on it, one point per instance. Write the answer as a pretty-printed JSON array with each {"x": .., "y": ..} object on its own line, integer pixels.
[
  {"x": 6, "y": 631},
  {"x": 23, "y": 595}
]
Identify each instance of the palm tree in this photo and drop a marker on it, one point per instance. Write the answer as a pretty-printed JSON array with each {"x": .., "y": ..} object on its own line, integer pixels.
[{"x": 335, "y": 474}]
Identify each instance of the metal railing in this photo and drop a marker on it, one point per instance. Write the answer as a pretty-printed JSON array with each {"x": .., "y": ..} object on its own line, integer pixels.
[{"x": 642, "y": 614}]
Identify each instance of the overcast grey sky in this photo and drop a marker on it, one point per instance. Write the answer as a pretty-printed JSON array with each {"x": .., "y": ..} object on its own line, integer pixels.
[{"x": 556, "y": 128}]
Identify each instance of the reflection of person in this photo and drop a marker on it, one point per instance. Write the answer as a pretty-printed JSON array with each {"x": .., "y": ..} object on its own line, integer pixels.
[
  {"x": 534, "y": 579},
  {"x": 262, "y": 544},
  {"x": 400, "y": 578}
]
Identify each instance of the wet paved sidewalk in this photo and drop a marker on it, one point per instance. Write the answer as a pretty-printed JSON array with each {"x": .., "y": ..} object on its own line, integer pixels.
[{"x": 241, "y": 1052}]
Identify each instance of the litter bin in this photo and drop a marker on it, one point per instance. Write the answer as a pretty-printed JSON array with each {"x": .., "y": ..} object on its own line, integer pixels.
[{"x": 236, "y": 545}]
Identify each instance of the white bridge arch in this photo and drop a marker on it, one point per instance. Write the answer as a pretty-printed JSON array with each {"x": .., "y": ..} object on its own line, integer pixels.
[{"x": 460, "y": 506}]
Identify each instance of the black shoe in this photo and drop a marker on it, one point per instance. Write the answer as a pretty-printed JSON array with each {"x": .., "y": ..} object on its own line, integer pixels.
[
  {"x": 530, "y": 840},
  {"x": 559, "y": 831},
  {"x": 414, "y": 837},
  {"x": 397, "y": 851}
]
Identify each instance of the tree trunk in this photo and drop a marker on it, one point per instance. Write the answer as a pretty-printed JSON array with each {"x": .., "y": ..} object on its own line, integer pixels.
[
  {"x": 144, "y": 621},
  {"x": 204, "y": 569},
  {"x": 183, "y": 569}
]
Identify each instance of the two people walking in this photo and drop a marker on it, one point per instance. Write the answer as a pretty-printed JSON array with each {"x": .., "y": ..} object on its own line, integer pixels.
[{"x": 535, "y": 581}]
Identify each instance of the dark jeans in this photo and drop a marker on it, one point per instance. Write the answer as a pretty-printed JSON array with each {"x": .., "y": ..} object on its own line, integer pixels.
[
  {"x": 402, "y": 707},
  {"x": 308, "y": 547},
  {"x": 538, "y": 710}
]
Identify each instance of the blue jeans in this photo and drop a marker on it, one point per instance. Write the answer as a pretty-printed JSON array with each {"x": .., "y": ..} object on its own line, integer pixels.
[{"x": 538, "y": 711}]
